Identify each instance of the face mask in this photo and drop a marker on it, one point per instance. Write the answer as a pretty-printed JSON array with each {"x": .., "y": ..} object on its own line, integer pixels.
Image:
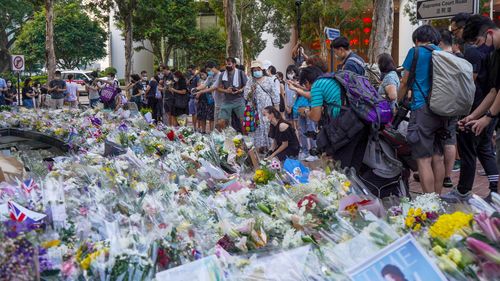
[
  {"x": 290, "y": 76},
  {"x": 9, "y": 85},
  {"x": 176, "y": 79},
  {"x": 210, "y": 73},
  {"x": 229, "y": 68},
  {"x": 265, "y": 119},
  {"x": 144, "y": 78},
  {"x": 258, "y": 74}
]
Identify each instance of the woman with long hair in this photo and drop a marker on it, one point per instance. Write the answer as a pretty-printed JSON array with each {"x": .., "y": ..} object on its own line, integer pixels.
[
  {"x": 390, "y": 80},
  {"x": 285, "y": 142},
  {"x": 28, "y": 94},
  {"x": 181, "y": 98}
]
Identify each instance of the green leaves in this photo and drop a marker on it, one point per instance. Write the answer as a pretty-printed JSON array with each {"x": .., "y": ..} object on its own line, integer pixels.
[{"x": 78, "y": 40}]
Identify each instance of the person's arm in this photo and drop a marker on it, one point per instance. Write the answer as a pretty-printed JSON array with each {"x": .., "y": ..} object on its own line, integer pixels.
[
  {"x": 392, "y": 92},
  {"x": 129, "y": 86},
  {"x": 478, "y": 126},
  {"x": 404, "y": 85},
  {"x": 314, "y": 113}
]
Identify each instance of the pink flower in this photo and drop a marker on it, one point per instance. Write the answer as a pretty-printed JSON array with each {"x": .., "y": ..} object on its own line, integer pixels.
[
  {"x": 490, "y": 271},
  {"x": 489, "y": 226},
  {"x": 68, "y": 268},
  {"x": 484, "y": 250}
]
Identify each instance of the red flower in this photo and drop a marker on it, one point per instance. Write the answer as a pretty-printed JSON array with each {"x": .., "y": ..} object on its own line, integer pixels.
[
  {"x": 163, "y": 259},
  {"x": 311, "y": 198},
  {"x": 171, "y": 135}
]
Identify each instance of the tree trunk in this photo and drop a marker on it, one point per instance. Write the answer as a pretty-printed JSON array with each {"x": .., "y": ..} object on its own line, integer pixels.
[
  {"x": 4, "y": 52},
  {"x": 382, "y": 29},
  {"x": 128, "y": 47},
  {"x": 50, "y": 55},
  {"x": 234, "y": 39},
  {"x": 322, "y": 39}
]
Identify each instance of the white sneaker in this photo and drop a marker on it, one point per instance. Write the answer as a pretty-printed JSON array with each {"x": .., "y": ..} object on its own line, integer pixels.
[
  {"x": 311, "y": 158},
  {"x": 303, "y": 156}
]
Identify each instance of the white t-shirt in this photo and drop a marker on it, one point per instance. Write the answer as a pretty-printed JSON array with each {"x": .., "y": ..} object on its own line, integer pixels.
[
  {"x": 72, "y": 89},
  {"x": 214, "y": 82}
]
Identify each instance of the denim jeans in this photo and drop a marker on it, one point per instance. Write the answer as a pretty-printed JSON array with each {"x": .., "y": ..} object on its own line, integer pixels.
[{"x": 306, "y": 125}]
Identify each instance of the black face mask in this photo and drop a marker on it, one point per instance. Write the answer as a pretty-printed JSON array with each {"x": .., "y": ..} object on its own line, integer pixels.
[{"x": 229, "y": 68}]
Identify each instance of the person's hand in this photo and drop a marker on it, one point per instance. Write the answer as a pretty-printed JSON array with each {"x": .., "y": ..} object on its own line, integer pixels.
[
  {"x": 478, "y": 126},
  {"x": 288, "y": 110},
  {"x": 462, "y": 123},
  {"x": 198, "y": 95}
]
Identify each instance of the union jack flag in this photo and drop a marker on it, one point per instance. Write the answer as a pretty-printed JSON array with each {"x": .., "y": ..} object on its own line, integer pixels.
[
  {"x": 20, "y": 214},
  {"x": 28, "y": 185}
]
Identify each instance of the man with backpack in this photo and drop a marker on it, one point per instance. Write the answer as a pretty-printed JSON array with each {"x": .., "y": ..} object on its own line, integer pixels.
[
  {"x": 350, "y": 60},
  {"x": 424, "y": 126},
  {"x": 231, "y": 84}
]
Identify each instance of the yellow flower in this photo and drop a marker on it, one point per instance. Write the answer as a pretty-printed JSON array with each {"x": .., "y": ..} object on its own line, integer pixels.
[
  {"x": 85, "y": 264},
  {"x": 346, "y": 186},
  {"x": 418, "y": 212},
  {"x": 455, "y": 255},
  {"x": 409, "y": 221},
  {"x": 423, "y": 217},
  {"x": 438, "y": 250},
  {"x": 240, "y": 152},
  {"x": 411, "y": 212},
  {"x": 449, "y": 224},
  {"x": 417, "y": 227},
  {"x": 51, "y": 243}
]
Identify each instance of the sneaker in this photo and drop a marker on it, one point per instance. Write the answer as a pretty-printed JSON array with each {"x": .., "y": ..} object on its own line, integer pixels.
[
  {"x": 447, "y": 183},
  {"x": 456, "y": 166},
  {"x": 454, "y": 196},
  {"x": 416, "y": 177},
  {"x": 311, "y": 158},
  {"x": 303, "y": 156}
]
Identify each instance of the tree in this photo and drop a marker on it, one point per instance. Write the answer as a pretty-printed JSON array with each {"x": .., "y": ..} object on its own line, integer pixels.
[
  {"x": 50, "y": 54},
  {"x": 382, "y": 29},
  {"x": 166, "y": 27},
  {"x": 257, "y": 18},
  {"x": 234, "y": 39},
  {"x": 78, "y": 40},
  {"x": 123, "y": 14},
  {"x": 13, "y": 14},
  {"x": 207, "y": 45}
]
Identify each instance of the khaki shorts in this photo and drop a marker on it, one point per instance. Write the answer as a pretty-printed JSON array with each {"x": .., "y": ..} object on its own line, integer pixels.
[
  {"x": 57, "y": 103},
  {"x": 425, "y": 131}
]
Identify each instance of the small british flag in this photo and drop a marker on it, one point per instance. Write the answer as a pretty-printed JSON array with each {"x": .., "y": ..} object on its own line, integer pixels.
[
  {"x": 20, "y": 214},
  {"x": 28, "y": 185}
]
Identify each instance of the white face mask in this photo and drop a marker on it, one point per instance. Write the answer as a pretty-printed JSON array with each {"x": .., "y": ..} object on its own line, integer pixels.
[
  {"x": 265, "y": 119},
  {"x": 176, "y": 79},
  {"x": 290, "y": 76}
]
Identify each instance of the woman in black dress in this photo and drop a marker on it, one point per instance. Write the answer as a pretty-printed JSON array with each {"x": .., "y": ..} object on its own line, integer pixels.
[
  {"x": 285, "y": 144},
  {"x": 181, "y": 98}
]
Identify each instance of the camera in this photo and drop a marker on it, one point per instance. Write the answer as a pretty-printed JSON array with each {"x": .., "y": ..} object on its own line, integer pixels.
[{"x": 403, "y": 109}]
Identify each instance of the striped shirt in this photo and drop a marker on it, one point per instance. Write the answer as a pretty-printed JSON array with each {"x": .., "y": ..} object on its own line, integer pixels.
[{"x": 327, "y": 91}]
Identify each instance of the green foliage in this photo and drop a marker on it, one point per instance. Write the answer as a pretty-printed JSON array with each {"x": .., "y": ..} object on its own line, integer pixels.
[
  {"x": 259, "y": 17},
  {"x": 207, "y": 45},
  {"x": 108, "y": 71},
  {"x": 78, "y": 40},
  {"x": 166, "y": 26}
]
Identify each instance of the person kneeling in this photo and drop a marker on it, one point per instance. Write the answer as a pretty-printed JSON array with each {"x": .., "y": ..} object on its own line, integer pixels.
[{"x": 285, "y": 142}]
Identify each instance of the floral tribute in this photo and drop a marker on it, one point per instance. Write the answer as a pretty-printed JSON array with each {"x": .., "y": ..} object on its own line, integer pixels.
[{"x": 132, "y": 200}]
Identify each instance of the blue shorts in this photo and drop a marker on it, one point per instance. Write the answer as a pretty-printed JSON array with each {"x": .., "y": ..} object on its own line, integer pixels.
[{"x": 192, "y": 107}]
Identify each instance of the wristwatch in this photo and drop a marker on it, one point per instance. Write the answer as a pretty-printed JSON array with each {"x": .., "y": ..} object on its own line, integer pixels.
[{"x": 489, "y": 114}]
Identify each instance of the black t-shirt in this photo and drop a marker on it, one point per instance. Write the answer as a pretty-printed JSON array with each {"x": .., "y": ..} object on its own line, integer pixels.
[
  {"x": 476, "y": 58},
  {"x": 60, "y": 84},
  {"x": 181, "y": 84},
  {"x": 288, "y": 135},
  {"x": 136, "y": 89},
  {"x": 153, "y": 85},
  {"x": 494, "y": 69},
  {"x": 26, "y": 91}
]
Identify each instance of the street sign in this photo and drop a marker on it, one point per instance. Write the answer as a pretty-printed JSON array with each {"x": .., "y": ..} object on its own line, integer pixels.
[
  {"x": 439, "y": 9},
  {"x": 17, "y": 63},
  {"x": 332, "y": 33}
]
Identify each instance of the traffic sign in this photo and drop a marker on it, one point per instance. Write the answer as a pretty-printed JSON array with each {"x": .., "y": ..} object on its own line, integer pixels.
[
  {"x": 439, "y": 9},
  {"x": 17, "y": 62},
  {"x": 332, "y": 33}
]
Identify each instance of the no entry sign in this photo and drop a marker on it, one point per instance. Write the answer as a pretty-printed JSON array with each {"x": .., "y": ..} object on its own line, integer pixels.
[{"x": 17, "y": 62}]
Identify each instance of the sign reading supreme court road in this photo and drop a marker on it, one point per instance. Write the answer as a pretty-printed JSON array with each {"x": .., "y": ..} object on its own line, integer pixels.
[{"x": 438, "y": 9}]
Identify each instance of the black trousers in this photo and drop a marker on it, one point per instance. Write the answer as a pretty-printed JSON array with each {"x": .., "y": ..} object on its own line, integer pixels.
[{"x": 471, "y": 148}]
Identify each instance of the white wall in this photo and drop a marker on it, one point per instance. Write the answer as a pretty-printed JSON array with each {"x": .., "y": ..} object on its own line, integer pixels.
[
  {"x": 405, "y": 32},
  {"x": 142, "y": 60},
  {"x": 280, "y": 58}
]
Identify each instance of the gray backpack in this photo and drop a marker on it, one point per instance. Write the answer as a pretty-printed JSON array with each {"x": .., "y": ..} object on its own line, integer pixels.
[{"x": 452, "y": 90}]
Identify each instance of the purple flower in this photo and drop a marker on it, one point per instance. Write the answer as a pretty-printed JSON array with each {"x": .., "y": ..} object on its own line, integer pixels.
[
  {"x": 489, "y": 226},
  {"x": 96, "y": 121},
  {"x": 484, "y": 250},
  {"x": 123, "y": 128}
]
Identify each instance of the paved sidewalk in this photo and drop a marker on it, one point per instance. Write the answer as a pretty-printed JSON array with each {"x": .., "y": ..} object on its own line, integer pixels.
[{"x": 480, "y": 184}]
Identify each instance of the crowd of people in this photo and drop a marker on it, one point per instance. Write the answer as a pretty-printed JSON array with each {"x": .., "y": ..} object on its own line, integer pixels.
[{"x": 285, "y": 112}]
